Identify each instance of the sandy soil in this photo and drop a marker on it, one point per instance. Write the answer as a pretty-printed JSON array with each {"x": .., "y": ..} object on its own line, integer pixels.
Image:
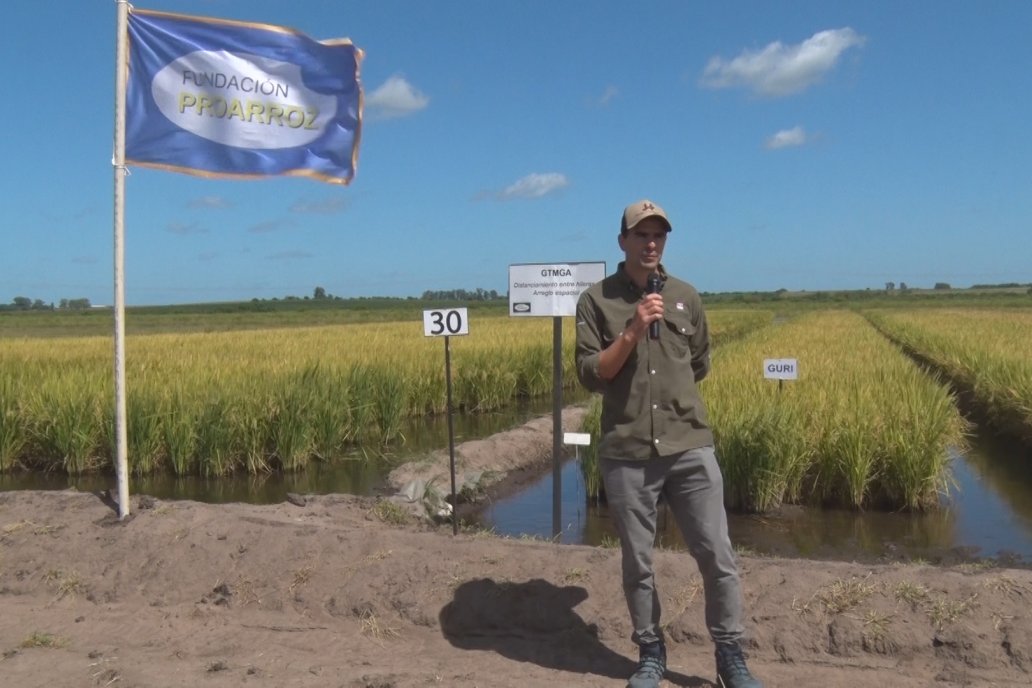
[{"x": 331, "y": 591}]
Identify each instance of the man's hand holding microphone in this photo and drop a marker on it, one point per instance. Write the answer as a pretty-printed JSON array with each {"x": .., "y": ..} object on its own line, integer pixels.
[{"x": 650, "y": 308}]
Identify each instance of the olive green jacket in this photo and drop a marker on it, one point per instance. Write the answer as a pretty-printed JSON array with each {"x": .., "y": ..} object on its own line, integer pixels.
[{"x": 652, "y": 407}]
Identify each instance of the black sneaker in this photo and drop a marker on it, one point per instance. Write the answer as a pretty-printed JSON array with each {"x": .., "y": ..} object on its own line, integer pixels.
[
  {"x": 731, "y": 669},
  {"x": 651, "y": 667}
]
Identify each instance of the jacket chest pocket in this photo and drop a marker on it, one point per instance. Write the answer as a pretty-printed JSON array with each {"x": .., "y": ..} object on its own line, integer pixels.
[{"x": 680, "y": 326}]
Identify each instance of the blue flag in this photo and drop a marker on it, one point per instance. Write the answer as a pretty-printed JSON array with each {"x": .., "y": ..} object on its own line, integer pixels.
[{"x": 221, "y": 98}]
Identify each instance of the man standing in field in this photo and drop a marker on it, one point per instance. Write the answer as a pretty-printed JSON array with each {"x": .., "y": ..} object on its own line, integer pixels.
[{"x": 643, "y": 343}]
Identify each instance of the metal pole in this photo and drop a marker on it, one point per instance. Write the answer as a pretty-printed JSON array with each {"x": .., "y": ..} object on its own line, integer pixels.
[
  {"x": 121, "y": 436},
  {"x": 451, "y": 437},
  {"x": 557, "y": 426}
]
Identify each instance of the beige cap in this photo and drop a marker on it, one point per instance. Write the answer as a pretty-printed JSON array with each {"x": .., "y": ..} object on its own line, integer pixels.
[{"x": 638, "y": 211}]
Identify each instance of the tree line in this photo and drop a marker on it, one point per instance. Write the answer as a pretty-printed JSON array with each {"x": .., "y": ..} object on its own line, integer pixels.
[
  {"x": 24, "y": 303},
  {"x": 462, "y": 295}
]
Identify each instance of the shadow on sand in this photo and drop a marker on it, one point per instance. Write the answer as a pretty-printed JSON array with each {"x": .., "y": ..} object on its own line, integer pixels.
[{"x": 535, "y": 622}]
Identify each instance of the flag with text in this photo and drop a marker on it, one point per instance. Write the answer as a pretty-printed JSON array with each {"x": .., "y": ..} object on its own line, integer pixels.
[{"x": 222, "y": 98}]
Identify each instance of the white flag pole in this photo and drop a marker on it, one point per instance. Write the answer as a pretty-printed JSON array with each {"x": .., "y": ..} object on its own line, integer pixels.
[{"x": 121, "y": 436}]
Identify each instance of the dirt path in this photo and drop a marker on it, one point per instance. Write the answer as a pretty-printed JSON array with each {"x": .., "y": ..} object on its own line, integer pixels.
[{"x": 331, "y": 592}]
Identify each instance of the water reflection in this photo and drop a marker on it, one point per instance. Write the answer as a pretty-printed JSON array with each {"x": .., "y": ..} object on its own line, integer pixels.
[
  {"x": 994, "y": 506},
  {"x": 989, "y": 515},
  {"x": 361, "y": 474},
  {"x": 353, "y": 477}
]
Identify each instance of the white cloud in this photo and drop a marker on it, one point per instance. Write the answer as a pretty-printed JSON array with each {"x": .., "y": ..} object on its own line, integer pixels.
[
  {"x": 608, "y": 95},
  {"x": 396, "y": 97},
  {"x": 781, "y": 70},
  {"x": 785, "y": 138},
  {"x": 534, "y": 185}
]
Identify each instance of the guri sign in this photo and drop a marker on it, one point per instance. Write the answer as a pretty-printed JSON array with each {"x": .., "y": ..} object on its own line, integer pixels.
[{"x": 780, "y": 369}]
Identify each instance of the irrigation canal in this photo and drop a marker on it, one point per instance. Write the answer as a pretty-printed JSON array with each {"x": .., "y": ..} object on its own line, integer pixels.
[{"x": 988, "y": 514}]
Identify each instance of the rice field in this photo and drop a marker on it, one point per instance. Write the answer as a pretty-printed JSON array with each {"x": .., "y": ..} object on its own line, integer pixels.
[
  {"x": 257, "y": 400},
  {"x": 986, "y": 353},
  {"x": 862, "y": 427}
]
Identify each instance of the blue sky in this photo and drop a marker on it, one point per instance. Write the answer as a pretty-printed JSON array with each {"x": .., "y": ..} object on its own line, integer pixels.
[{"x": 802, "y": 145}]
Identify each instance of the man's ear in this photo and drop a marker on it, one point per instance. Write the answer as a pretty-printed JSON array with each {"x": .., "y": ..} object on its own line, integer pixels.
[{"x": 620, "y": 240}]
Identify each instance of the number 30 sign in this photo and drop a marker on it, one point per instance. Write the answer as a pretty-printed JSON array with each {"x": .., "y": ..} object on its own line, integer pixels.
[{"x": 444, "y": 323}]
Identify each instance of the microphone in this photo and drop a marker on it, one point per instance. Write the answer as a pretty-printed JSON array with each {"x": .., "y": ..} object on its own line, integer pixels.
[{"x": 652, "y": 287}]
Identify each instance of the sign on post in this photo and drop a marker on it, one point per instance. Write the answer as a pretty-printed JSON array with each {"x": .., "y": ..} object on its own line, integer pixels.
[
  {"x": 581, "y": 439},
  {"x": 780, "y": 369},
  {"x": 445, "y": 323},
  {"x": 550, "y": 289},
  {"x": 442, "y": 323}
]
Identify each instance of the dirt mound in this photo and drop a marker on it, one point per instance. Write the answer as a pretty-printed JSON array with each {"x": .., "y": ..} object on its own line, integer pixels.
[{"x": 330, "y": 593}]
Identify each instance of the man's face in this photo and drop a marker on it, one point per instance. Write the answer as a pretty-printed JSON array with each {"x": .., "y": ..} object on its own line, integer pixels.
[{"x": 643, "y": 244}]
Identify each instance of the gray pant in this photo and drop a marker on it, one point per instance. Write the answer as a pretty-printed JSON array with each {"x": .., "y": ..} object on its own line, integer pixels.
[{"x": 694, "y": 490}]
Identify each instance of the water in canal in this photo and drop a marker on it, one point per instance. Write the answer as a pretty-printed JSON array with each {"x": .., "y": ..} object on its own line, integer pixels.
[{"x": 988, "y": 515}]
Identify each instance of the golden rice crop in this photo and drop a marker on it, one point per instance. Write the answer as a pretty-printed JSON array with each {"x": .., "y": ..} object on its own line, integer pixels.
[
  {"x": 987, "y": 353},
  {"x": 255, "y": 400},
  {"x": 861, "y": 426},
  {"x": 218, "y": 402}
]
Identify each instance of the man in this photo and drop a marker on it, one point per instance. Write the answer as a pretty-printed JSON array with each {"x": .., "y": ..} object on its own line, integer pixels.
[{"x": 643, "y": 343}]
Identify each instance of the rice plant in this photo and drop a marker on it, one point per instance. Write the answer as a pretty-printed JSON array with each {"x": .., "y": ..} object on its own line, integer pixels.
[
  {"x": 12, "y": 429},
  {"x": 986, "y": 353},
  {"x": 863, "y": 426},
  {"x": 212, "y": 403}
]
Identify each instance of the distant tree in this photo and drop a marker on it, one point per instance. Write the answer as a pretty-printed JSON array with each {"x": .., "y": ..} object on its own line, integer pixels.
[
  {"x": 902, "y": 286},
  {"x": 889, "y": 286},
  {"x": 22, "y": 303},
  {"x": 77, "y": 304},
  {"x": 478, "y": 294},
  {"x": 942, "y": 286},
  {"x": 320, "y": 293}
]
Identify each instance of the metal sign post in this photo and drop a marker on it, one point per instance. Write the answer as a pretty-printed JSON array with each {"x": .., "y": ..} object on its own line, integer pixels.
[
  {"x": 552, "y": 289},
  {"x": 445, "y": 323}
]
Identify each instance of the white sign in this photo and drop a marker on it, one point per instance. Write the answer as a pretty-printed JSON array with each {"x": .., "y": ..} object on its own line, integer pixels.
[
  {"x": 581, "y": 438},
  {"x": 780, "y": 369},
  {"x": 550, "y": 289},
  {"x": 446, "y": 322}
]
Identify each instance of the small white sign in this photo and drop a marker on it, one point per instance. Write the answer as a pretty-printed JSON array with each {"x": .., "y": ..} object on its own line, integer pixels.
[
  {"x": 780, "y": 369},
  {"x": 550, "y": 289},
  {"x": 446, "y": 322},
  {"x": 581, "y": 438}
]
